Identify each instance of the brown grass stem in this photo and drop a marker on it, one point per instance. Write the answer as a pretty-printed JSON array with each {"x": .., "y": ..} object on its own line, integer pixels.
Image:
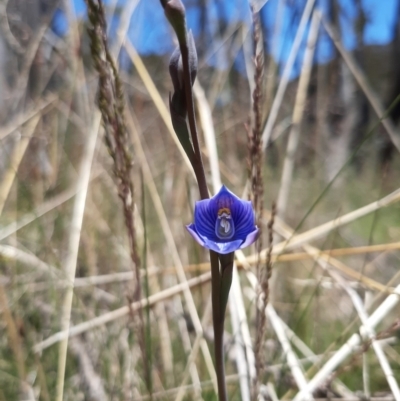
[
  {"x": 112, "y": 105},
  {"x": 255, "y": 160}
]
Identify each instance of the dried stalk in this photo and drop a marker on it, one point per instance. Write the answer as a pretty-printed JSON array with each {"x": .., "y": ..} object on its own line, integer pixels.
[
  {"x": 121, "y": 312},
  {"x": 149, "y": 180},
  {"x": 73, "y": 246},
  {"x": 294, "y": 136},
  {"x": 286, "y": 73},
  {"x": 111, "y": 104},
  {"x": 15, "y": 160}
]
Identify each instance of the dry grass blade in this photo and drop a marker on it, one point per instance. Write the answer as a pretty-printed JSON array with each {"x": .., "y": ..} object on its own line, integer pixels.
[
  {"x": 121, "y": 312},
  {"x": 15, "y": 160},
  {"x": 14, "y": 338},
  {"x": 370, "y": 334},
  {"x": 40, "y": 211},
  {"x": 286, "y": 73},
  {"x": 208, "y": 132},
  {"x": 193, "y": 354},
  {"x": 170, "y": 241},
  {"x": 298, "y": 240},
  {"x": 279, "y": 329},
  {"x": 19, "y": 120},
  {"x": 92, "y": 380},
  {"x": 303, "y": 348},
  {"x": 155, "y": 95},
  {"x": 73, "y": 246},
  {"x": 10, "y": 252},
  {"x": 351, "y": 345},
  {"x": 294, "y": 135}
]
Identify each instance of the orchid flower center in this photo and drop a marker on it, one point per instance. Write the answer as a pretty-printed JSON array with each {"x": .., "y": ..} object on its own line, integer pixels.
[{"x": 224, "y": 226}]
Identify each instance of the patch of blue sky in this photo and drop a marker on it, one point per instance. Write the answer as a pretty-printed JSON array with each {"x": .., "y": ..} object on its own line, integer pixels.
[
  {"x": 80, "y": 7},
  {"x": 233, "y": 11},
  {"x": 325, "y": 50},
  {"x": 59, "y": 24},
  {"x": 382, "y": 18},
  {"x": 348, "y": 14},
  {"x": 150, "y": 33}
]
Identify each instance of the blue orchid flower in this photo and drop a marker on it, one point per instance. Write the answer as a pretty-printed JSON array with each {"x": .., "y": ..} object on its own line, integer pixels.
[{"x": 224, "y": 223}]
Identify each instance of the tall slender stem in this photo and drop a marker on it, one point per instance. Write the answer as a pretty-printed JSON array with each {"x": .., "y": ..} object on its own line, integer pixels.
[{"x": 218, "y": 322}]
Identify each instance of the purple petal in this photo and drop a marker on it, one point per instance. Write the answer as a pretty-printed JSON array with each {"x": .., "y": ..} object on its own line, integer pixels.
[
  {"x": 192, "y": 231},
  {"x": 252, "y": 237},
  {"x": 222, "y": 247},
  {"x": 224, "y": 198},
  {"x": 243, "y": 216},
  {"x": 204, "y": 218}
]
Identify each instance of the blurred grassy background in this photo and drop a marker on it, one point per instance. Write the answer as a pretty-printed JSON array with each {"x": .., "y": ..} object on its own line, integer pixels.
[{"x": 48, "y": 119}]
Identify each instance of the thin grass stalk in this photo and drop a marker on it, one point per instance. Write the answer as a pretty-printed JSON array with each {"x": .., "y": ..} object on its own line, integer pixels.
[
  {"x": 156, "y": 97},
  {"x": 286, "y": 73},
  {"x": 192, "y": 357},
  {"x": 187, "y": 347},
  {"x": 46, "y": 207},
  {"x": 351, "y": 345},
  {"x": 10, "y": 252},
  {"x": 273, "y": 65},
  {"x": 338, "y": 386},
  {"x": 291, "y": 358},
  {"x": 14, "y": 339},
  {"x": 111, "y": 104},
  {"x": 255, "y": 159},
  {"x": 209, "y": 133},
  {"x": 190, "y": 388},
  {"x": 15, "y": 160},
  {"x": 317, "y": 232},
  {"x": 123, "y": 27},
  {"x": 264, "y": 290},
  {"x": 370, "y": 334},
  {"x": 294, "y": 136},
  {"x": 147, "y": 329},
  {"x": 20, "y": 119},
  {"x": 122, "y": 312},
  {"x": 324, "y": 264},
  {"x": 73, "y": 247}
]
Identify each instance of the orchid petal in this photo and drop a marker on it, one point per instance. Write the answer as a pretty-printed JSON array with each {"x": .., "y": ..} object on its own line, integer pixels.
[
  {"x": 192, "y": 231},
  {"x": 251, "y": 238},
  {"x": 224, "y": 223}
]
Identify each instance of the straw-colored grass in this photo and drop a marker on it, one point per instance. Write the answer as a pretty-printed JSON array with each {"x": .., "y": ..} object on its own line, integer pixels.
[{"x": 65, "y": 275}]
